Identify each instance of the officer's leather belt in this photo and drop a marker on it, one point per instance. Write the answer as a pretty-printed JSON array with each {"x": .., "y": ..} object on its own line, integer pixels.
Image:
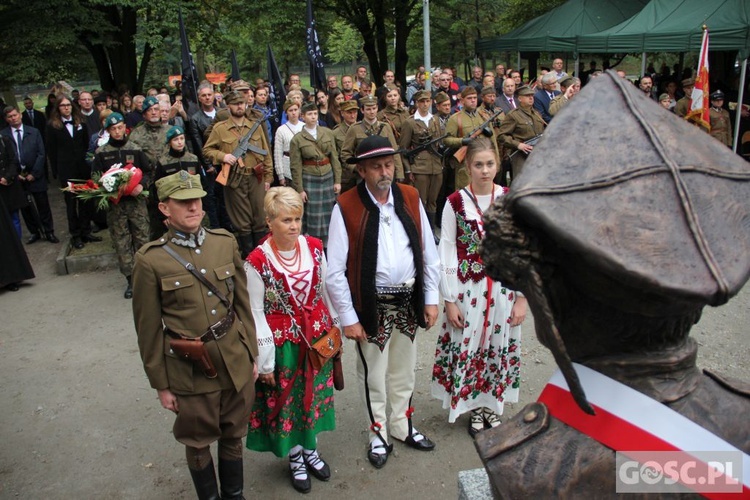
[
  {"x": 316, "y": 163},
  {"x": 393, "y": 294},
  {"x": 214, "y": 332}
]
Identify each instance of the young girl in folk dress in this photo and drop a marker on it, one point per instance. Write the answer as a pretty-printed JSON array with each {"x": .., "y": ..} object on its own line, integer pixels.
[{"x": 477, "y": 361}]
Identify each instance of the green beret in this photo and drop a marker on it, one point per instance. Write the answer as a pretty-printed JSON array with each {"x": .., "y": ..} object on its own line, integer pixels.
[
  {"x": 441, "y": 97},
  {"x": 488, "y": 90},
  {"x": 368, "y": 100},
  {"x": 348, "y": 105},
  {"x": 422, "y": 94},
  {"x": 149, "y": 102},
  {"x": 174, "y": 132},
  {"x": 180, "y": 186},
  {"x": 113, "y": 119},
  {"x": 308, "y": 106},
  {"x": 234, "y": 97},
  {"x": 524, "y": 90}
]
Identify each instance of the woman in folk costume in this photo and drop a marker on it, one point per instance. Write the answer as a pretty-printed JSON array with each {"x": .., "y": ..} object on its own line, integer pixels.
[
  {"x": 292, "y": 310},
  {"x": 477, "y": 361}
]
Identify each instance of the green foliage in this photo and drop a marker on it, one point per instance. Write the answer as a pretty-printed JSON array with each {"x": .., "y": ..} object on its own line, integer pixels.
[{"x": 344, "y": 43}]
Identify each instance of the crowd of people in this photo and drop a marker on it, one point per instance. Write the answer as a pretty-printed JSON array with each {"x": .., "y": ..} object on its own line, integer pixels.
[{"x": 359, "y": 214}]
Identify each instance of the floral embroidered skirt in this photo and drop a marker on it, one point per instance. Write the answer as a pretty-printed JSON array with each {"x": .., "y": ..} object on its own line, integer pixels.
[
  {"x": 292, "y": 425},
  {"x": 469, "y": 374}
]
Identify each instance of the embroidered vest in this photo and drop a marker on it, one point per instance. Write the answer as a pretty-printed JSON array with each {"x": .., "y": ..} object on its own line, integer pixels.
[{"x": 362, "y": 219}]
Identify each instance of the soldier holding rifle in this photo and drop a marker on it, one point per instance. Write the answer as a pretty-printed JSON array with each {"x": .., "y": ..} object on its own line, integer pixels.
[{"x": 521, "y": 127}]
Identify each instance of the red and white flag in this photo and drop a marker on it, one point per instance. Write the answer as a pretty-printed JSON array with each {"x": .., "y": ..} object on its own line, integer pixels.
[{"x": 699, "y": 102}]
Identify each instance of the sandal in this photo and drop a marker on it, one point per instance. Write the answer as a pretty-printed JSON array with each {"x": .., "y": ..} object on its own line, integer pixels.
[
  {"x": 476, "y": 422},
  {"x": 300, "y": 478},
  {"x": 491, "y": 419},
  {"x": 316, "y": 465}
]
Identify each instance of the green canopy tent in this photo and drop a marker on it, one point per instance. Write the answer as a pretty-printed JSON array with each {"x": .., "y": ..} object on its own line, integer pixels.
[
  {"x": 677, "y": 26},
  {"x": 556, "y": 30}
]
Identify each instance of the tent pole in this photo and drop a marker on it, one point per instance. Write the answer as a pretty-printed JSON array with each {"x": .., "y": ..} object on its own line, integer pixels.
[
  {"x": 643, "y": 65},
  {"x": 578, "y": 67},
  {"x": 738, "y": 113}
]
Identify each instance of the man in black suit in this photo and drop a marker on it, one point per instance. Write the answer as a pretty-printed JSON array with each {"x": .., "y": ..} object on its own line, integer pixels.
[
  {"x": 30, "y": 148},
  {"x": 32, "y": 117},
  {"x": 544, "y": 95},
  {"x": 67, "y": 143}
]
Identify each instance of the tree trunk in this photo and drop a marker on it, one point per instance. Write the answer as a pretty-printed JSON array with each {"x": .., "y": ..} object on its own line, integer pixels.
[{"x": 381, "y": 44}]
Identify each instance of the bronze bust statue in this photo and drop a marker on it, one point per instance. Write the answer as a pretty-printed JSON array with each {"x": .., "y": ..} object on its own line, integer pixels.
[{"x": 640, "y": 221}]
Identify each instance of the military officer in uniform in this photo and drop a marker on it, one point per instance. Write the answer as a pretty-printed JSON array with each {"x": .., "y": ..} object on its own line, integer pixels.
[
  {"x": 520, "y": 125},
  {"x": 349, "y": 110},
  {"x": 460, "y": 126},
  {"x": 208, "y": 301},
  {"x": 721, "y": 125},
  {"x": 426, "y": 166},
  {"x": 616, "y": 288},
  {"x": 127, "y": 220},
  {"x": 370, "y": 125},
  {"x": 682, "y": 108},
  {"x": 250, "y": 178}
]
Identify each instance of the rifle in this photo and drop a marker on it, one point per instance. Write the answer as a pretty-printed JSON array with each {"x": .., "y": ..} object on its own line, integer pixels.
[
  {"x": 460, "y": 154},
  {"x": 410, "y": 154},
  {"x": 530, "y": 142},
  {"x": 239, "y": 152}
]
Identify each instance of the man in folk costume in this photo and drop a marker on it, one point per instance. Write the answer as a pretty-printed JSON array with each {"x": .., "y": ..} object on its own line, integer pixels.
[
  {"x": 383, "y": 275},
  {"x": 617, "y": 260}
]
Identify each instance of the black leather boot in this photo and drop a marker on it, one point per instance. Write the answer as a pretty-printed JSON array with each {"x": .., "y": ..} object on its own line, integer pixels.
[
  {"x": 205, "y": 483},
  {"x": 129, "y": 289},
  {"x": 231, "y": 478},
  {"x": 245, "y": 241}
]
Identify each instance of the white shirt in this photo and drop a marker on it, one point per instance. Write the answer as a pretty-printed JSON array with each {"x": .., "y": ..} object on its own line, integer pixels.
[
  {"x": 313, "y": 132},
  {"x": 282, "y": 140},
  {"x": 423, "y": 119},
  {"x": 395, "y": 264},
  {"x": 211, "y": 114}
]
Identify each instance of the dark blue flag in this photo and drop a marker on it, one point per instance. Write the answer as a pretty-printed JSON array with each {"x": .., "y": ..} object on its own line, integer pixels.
[
  {"x": 189, "y": 73},
  {"x": 314, "y": 54},
  {"x": 277, "y": 94},
  {"x": 235, "y": 67}
]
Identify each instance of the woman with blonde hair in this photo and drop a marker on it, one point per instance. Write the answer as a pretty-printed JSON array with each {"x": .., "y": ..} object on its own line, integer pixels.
[{"x": 292, "y": 311}]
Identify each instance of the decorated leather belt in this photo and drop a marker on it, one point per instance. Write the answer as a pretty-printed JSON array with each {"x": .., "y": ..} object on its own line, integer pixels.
[
  {"x": 214, "y": 332},
  {"x": 316, "y": 163},
  {"x": 393, "y": 294}
]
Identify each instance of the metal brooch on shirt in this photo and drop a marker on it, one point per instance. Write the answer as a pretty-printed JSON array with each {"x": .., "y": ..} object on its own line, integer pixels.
[{"x": 385, "y": 219}]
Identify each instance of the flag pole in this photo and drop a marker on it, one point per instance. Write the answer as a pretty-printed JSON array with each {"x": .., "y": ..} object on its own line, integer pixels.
[{"x": 738, "y": 111}]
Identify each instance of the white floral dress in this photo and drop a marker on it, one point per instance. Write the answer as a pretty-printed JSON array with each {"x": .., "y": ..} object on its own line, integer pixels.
[{"x": 479, "y": 365}]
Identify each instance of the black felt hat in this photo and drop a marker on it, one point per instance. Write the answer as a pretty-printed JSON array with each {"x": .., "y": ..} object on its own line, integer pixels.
[{"x": 373, "y": 146}]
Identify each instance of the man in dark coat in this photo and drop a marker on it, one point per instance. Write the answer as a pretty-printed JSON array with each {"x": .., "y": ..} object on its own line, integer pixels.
[
  {"x": 28, "y": 142},
  {"x": 32, "y": 117}
]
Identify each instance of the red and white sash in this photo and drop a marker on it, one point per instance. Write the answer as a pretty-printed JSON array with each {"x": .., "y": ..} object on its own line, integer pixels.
[{"x": 627, "y": 420}]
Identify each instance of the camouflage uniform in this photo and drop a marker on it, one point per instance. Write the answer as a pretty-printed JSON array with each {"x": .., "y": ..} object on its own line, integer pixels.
[
  {"x": 127, "y": 220},
  {"x": 152, "y": 140}
]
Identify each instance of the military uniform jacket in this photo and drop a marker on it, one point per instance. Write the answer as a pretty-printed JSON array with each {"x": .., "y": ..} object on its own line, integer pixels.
[
  {"x": 168, "y": 165},
  {"x": 223, "y": 114},
  {"x": 682, "y": 107},
  {"x": 152, "y": 140},
  {"x": 721, "y": 126},
  {"x": 305, "y": 148},
  {"x": 225, "y": 136},
  {"x": 415, "y": 132},
  {"x": 395, "y": 118},
  {"x": 520, "y": 125},
  {"x": 339, "y": 134},
  {"x": 462, "y": 124},
  {"x": 557, "y": 104},
  {"x": 109, "y": 155},
  {"x": 360, "y": 131},
  {"x": 166, "y": 294}
]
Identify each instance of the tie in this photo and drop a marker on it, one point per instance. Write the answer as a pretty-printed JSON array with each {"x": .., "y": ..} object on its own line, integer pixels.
[
  {"x": 19, "y": 140},
  {"x": 31, "y": 115},
  {"x": 69, "y": 126},
  {"x": 512, "y": 103}
]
